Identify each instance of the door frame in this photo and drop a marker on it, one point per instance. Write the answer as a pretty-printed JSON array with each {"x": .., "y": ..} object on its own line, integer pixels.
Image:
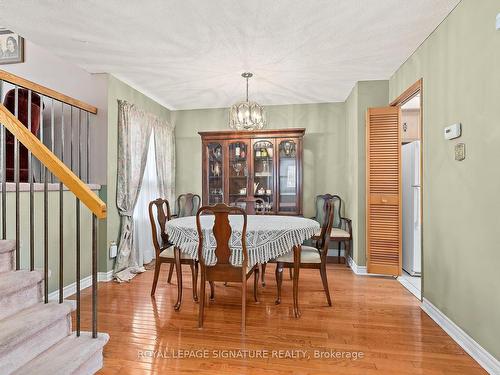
[{"x": 405, "y": 96}]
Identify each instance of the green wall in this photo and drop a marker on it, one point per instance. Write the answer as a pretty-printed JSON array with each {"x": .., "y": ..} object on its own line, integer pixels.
[
  {"x": 324, "y": 145},
  {"x": 364, "y": 95},
  {"x": 69, "y": 230},
  {"x": 460, "y": 67},
  {"x": 118, "y": 90}
]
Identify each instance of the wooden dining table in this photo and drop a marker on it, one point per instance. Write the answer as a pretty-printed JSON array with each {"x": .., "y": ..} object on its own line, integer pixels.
[{"x": 267, "y": 237}]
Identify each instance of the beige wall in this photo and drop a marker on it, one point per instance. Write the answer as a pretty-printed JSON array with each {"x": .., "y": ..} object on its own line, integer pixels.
[
  {"x": 364, "y": 95},
  {"x": 460, "y": 67},
  {"x": 324, "y": 145},
  {"x": 117, "y": 90}
]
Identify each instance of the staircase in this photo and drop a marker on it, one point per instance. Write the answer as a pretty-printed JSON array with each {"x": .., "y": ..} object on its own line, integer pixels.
[{"x": 36, "y": 337}]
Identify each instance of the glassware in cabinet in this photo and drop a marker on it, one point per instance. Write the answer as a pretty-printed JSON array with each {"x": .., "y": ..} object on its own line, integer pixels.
[
  {"x": 288, "y": 179},
  {"x": 263, "y": 172},
  {"x": 215, "y": 175}
]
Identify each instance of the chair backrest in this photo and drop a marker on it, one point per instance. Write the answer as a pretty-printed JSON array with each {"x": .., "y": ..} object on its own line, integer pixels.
[
  {"x": 158, "y": 221},
  {"x": 321, "y": 209},
  {"x": 326, "y": 227},
  {"x": 222, "y": 232},
  {"x": 187, "y": 204},
  {"x": 252, "y": 206}
]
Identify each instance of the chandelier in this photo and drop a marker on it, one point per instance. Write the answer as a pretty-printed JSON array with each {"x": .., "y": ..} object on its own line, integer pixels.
[{"x": 247, "y": 115}]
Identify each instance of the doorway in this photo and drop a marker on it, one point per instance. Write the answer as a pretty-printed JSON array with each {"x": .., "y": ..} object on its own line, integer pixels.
[{"x": 410, "y": 103}]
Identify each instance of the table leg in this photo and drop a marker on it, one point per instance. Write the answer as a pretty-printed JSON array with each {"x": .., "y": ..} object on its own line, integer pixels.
[
  {"x": 296, "y": 267},
  {"x": 178, "y": 272}
]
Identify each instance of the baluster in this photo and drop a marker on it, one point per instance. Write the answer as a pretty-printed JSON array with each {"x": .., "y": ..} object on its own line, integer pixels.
[
  {"x": 71, "y": 138},
  {"x": 78, "y": 309},
  {"x": 3, "y": 166},
  {"x": 88, "y": 148},
  {"x": 77, "y": 267},
  {"x": 52, "y": 143},
  {"x": 41, "y": 135},
  {"x": 61, "y": 215},
  {"x": 16, "y": 180},
  {"x": 46, "y": 221},
  {"x": 30, "y": 177},
  {"x": 80, "y": 143},
  {"x": 94, "y": 276}
]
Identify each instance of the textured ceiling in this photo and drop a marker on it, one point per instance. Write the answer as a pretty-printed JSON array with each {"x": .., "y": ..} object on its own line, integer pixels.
[{"x": 190, "y": 53}]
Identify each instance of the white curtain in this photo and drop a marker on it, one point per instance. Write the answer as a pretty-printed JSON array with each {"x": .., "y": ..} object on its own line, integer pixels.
[
  {"x": 149, "y": 192},
  {"x": 135, "y": 127}
]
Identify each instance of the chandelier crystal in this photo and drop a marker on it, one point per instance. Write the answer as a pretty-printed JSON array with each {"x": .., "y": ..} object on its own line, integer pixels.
[{"x": 247, "y": 115}]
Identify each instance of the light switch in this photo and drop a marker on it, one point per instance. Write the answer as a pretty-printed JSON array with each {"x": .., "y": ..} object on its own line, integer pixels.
[
  {"x": 460, "y": 151},
  {"x": 498, "y": 21}
]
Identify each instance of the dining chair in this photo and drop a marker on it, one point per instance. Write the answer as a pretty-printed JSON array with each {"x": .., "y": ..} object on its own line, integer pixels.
[
  {"x": 166, "y": 252},
  {"x": 254, "y": 206},
  {"x": 341, "y": 231},
  {"x": 187, "y": 205},
  {"x": 223, "y": 270},
  {"x": 310, "y": 257}
]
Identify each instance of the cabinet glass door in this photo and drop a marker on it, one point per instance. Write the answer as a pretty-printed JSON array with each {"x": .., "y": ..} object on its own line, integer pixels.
[
  {"x": 238, "y": 172},
  {"x": 215, "y": 173},
  {"x": 263, "y": 172},
  {"x": 288, "y": 187}
]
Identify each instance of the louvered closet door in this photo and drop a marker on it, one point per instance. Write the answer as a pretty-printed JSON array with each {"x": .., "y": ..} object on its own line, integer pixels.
[{"x": 383, "y": 183}]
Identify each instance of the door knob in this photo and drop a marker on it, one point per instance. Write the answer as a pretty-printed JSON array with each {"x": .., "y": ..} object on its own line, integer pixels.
[{"x": 384, "y": 200}]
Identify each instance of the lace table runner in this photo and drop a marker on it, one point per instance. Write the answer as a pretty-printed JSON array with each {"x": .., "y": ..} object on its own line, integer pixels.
[{"x": 267, "y": 236}]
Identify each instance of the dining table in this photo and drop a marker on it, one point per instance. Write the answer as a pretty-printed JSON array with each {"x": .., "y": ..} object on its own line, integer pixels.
[{"x": 267, "y": 237}]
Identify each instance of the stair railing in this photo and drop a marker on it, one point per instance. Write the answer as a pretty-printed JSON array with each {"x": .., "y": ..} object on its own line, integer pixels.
[{"x": 52, "y": 167}]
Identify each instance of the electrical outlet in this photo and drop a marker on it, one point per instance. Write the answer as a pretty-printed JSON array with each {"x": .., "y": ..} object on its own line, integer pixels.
[{"x": 460, "y": 151}]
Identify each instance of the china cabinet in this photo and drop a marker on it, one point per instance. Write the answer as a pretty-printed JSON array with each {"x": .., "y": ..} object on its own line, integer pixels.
[{"x": 265, "y": 164}]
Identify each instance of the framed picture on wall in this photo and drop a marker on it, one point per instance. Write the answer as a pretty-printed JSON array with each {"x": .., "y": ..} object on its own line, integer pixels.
[{"x": 11, "y": 47}]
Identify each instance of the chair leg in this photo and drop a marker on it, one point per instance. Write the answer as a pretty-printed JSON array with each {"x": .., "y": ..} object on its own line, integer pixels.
[
  {"x": 324, "y": 279},
  {"x": 212, "y": 290},
  {"x": 194, "y": 277},
  {"x": 202, "y": 299},
  {"x": 155, "y": 280},
  {"x": 256, "y": 284},
  {"x": 296, "y": 269},
  {"x": 178, "y": 271},
  {"x": 279, "y": 281},
  {"x": 263, "y": 273},
  {"x": 347, "y": 247},
  {"x": 170, "y": 272},
  {"x": 243, "y": 304},
  {"x": 340, "y": 246},
  {"x": 290, "y": 271}
]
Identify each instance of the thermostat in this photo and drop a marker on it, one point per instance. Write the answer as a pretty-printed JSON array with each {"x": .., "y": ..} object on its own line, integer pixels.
[{"x": 453, "y": 131}]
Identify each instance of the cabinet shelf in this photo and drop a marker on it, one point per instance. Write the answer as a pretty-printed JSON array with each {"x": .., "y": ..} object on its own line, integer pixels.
[{"x": 267, "y": 172}]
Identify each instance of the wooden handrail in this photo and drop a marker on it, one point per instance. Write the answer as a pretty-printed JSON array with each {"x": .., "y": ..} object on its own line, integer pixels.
[
  {"x": 35, "y": 87},
  {"x": 52, "y": 162}
]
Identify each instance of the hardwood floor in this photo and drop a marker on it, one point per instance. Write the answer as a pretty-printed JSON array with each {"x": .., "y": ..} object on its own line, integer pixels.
[{"x": 373, "y": 316}]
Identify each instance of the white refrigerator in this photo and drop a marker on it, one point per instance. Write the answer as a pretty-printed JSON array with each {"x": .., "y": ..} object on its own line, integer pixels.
[{"x": 412, "y": 225}]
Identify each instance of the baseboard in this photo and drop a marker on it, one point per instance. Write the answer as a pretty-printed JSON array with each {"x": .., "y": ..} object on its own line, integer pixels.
[
  {"x": 362, "y": 270},
  {"x": 86, "y": 282},
  {"x": 358, "y": 270},
  {"x": 105, "y": 276},
  {"x": 476, "y": 351},
  {"x": 410, "y": 287}
]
